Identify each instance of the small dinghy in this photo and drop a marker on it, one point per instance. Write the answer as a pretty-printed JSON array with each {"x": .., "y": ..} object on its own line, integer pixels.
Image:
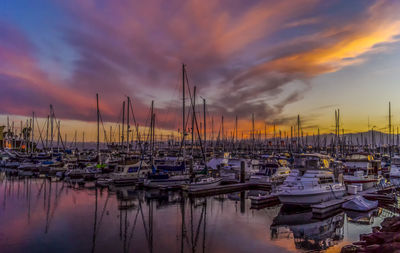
[{"x": 360, "y": 204}]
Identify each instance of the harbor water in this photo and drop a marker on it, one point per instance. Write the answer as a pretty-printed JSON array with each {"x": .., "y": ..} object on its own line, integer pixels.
[{"x": 38, "y": 215}]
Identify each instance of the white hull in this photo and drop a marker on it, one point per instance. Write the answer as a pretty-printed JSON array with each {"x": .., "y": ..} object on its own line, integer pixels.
[{"x": 309, "y": 197}]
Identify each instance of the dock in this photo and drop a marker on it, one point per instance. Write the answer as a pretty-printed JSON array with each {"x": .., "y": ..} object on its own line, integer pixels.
[
  {"x": 222, "y": 189},
  {"x": 325, "y": 209}
]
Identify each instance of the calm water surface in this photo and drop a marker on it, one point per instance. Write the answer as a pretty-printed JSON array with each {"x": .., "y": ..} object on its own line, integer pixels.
[{"x": 37, "y": 215}]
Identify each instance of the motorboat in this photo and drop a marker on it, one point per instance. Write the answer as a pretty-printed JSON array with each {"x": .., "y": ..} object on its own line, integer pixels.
[
  {"x": 362, "y": 169},
  {"x": 271, "y": 171},
  {"x": 127, "y": 174},
  {"x": 310, "y": 183}
]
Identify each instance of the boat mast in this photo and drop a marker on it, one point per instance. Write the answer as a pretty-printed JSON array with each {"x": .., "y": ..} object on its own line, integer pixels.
[
  {"x": 58, "y": 136},
  {"x": 390, "y": 131},
  {"x": 193, "y": 116},
  {"x": 205, "y": 125},
  {"x": 127, "y": 124},
  {"x": 98, "y": 128},
  {"x": 47, "y": 131},
  {"x": 252, "y": 129},
  {"x": 183, "y": 109},
  {"x": 298, "y": 133},
  {"x": 152, "y": 132},
  {"x": 222, "y": 130},
  {"x": 123, "y": 123},
  {"x": 51, "y": 128},
  {"x": 33, "y": 130},
  {"x": 236, "y": 128}
]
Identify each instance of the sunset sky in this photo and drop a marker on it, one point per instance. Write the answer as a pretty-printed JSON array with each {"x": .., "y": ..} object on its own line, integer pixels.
[{"x": 275, "y": 59}]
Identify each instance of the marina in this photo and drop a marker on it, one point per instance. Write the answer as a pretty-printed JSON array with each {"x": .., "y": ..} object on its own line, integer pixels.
[
  {"x": 199, "y": 126},
  {"x": 119, "y": 208}
]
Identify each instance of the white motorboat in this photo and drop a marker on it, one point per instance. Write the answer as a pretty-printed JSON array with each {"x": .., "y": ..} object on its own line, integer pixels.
[
  {"x": 360, "y": 178},
  {"x": 127, "y": 174},
  {"x": 310, "y": 184},
  {"x": 363, "y": 170},
  {"x": 270, "y": 172}
]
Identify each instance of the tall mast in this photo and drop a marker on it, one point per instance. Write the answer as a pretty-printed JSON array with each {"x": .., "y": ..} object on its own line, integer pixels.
[
  {"x": 236, "y": 128},
  {"x": 152, "y": 131},
  {"x": 51, "y": 128},
  {"x": 252, "y": 131},
  {"x": 58, "y": 136},
  {"x": 183, "y": 109},
  {"x": 33, "y": 130},
  {"x": 205, "y": 124},
  {"x": 222, "y": 127},
  {"x": 98, "y": 127},
  {"x": 390, "y": 131},
  {"x": 298, "y": 132},
  {"x": 28, "y": 145},
  {"x": 127, "y": 124},
  {"x": 123, "y": 123},
  {"x": 212, "y": 129},
  {"x": 47, "y": 131},
  {"x": 193, "y": 116}
]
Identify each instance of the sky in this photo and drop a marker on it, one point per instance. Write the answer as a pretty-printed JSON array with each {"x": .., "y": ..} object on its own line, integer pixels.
[{"x": 276, "y": 59}]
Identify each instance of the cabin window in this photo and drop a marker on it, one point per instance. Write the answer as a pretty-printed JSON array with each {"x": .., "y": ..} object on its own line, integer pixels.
[{"x": 325, "y": 180}]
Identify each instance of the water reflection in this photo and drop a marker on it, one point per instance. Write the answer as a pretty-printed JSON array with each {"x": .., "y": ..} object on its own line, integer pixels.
[
  {"x": 362, "y": 218},
  {"x": 308, "y": 233},
  {"x": 39, "y": 215}
]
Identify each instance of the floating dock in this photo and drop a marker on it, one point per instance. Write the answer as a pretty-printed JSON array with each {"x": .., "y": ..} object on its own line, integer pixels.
[
  {"x": 325, "y": 209},
  {"x": 221, "y": 189}
]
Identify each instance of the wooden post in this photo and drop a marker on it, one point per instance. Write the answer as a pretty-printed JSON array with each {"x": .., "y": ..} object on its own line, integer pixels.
[{"x": 242, "y": 172}]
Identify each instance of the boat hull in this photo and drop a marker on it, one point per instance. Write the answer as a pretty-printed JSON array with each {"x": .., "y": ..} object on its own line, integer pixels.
[{"x": 309, "y": 198}]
